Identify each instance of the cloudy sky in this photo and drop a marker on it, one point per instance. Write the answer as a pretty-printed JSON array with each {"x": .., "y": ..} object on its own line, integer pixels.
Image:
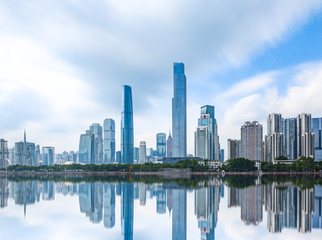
[{"x": 62, "y": 64}]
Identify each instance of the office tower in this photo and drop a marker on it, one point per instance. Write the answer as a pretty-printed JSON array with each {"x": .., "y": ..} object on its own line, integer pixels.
[
  {"x": 169, "y": 146},
  {"x": 109, "y": 205},
  {"x": 305, "y": 137},
  {"x": 38, "y": 157},
  {"x": 207, "y": 118},
  {"x": 118, "y": 156},
  {"x": 136, "y": 154},
  {"x": 203, "y": 142},
  {"x": 233, "y": 147},
  {"x": 179, "y": 214},
  {"x": 142, "y": 154},
  {"x": 127, "y": 210},
  {"x": 96, "y": 129},
  {"x": 48, "y": 156},
  {"x": 109, "y": 141},
  {"x": 25, "y": 153},
  {"x": 317, "y": 130},
  {"x": 273, "y": 146},
  {"x": 290, "y": 137},
  {"x": 222, "y": 155},
  {"x": 179, "y": 112},
  {"x": 251, "y": 141},
  {"x": 127, "y": 138},
  {"x": 86, "y": 148},
  {"x": 161, "y": 144},
  {"x": 72, "y": 157},
  {"x": 12, "y": 156},
  {"x": 4, "y": 153}
]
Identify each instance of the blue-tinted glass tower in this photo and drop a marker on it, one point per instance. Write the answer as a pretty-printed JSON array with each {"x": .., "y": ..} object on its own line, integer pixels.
[
  {"x": 179, "y": 112},
  {"x": 127, "y": 139},
  {"x": 109, "y": 141}
]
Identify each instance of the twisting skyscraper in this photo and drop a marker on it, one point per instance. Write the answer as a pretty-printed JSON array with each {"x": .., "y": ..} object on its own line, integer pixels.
[
  {"x": 127, "y": 138},
  {"x": 179, "y": 112}
]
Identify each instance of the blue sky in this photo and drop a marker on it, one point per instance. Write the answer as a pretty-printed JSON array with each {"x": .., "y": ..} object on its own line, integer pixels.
[{"x": 64, "y": 62}]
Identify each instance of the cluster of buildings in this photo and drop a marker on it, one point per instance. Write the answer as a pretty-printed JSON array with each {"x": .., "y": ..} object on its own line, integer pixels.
[
  {"x": 287, "y": 137},
  {"x": 290, "y": 138}
]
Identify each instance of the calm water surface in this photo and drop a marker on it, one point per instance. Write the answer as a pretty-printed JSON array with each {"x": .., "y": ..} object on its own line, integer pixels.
[{"x": 229, "y": 208}]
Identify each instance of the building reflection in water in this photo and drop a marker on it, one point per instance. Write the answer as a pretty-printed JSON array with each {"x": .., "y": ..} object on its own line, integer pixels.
[{"x": 287, "y": 206}]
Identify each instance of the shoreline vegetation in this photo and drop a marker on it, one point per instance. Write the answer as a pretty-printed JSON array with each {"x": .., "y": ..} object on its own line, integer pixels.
[{"x": 239, "y": 166}]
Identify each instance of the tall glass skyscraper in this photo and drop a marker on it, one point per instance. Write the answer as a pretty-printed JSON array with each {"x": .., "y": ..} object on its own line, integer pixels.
[
  {"x": 179, "y": 112},
  {"x": 48, "y": 156},
  {"x": 127, "y": 138},
  {"x": 109, "y": 141},
  {"x": 161, "y": 144},
  {"x": 98, "y": 142},
  {"x": 86, "y": 148}
]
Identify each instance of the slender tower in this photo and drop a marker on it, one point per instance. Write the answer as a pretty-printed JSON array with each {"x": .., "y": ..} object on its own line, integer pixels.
[
  {"x": 179, "y": 112},
  {"x": 127, "y": 139}
]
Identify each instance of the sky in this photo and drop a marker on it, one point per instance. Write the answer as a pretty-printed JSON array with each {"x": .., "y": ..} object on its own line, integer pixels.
[{"x": 63, "y": 64}]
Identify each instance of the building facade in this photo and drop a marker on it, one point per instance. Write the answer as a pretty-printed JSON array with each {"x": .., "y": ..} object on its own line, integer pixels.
[
  {"x": 97, "y": 130},
  {"x": 251, "y": 141},
  {"x": 4, "y": 153},
  {"x": 233, "y": 149},
  {"x": 290, "y": 137},
  {"x": 305, "y": 137},
  {"x": 203, "y": 142},
  {"x": 179, "y": 112},
  {"x": 109, "y": 141},
  {"x": 142, "y": 152},
  {"x": 86, "y": 148},
  {"x": 127, "y": 137},
  {"x": 48, "y": 156},
  {"x": 317, "y": 130},
  {"x": 169, "y": 146},
  {"x": 161, "y": 144}
]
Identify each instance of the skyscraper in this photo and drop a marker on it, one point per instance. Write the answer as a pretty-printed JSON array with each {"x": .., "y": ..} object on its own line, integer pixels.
[
  {"x": 233, "y": 147},
  {"x": 86, "y": 148},
  {"x": 274, "y": 140},
  {"x": 161, "y": 144},
  {"x": 127, "y": 138},
  {"x": 118, "y": 156},
  {"x": 169, "y": 146},
  {"x": 317, "y": 130},
  {"x": 290, "y": 137},
  {"x": 4, "y": 153},
  {"x": 179, "y": 112},
  {"x": 96, "y": 129},
  {"x": 251, "y": 141},
  {"x": 109, "y": 141},
  {"x": 25, "y": 153},
  {"x": 48, "y": 156},
  {"x": 142, "y": 152},
  {"x": 203, "y": 142},
  {"x": 305, "y": 137}
]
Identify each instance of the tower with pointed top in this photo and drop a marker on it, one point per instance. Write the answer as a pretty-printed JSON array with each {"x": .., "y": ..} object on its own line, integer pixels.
[{"x": 169, "y": 146}]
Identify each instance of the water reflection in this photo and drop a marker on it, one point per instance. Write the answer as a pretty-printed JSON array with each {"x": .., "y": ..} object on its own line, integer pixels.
[{"x": 284, "y": 204}]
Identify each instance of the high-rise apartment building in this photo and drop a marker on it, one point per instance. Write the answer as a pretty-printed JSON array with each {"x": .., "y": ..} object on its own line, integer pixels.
[
  {"x": 179, "y": 112},
  {"x": 290, "y": 138},
  {"x": 305, "y": 137},
  {"x": 48, "y": 156},
  {"x": 127, "y": 138},
  {"x": 142, "y": 152},
  {"x": 86, "y": 148},
  {"x": 96, "y": 129},
  {"x": 4, "y": 153},
  {"x": 233, "y": 147},
  {"x": 273, "y": 144},
  {"x": 317, "y": 130},
  {"x": 161, "y": 144},
  {"x": 109, "y": 141},
  {"x": 251, "y": 141},
  {"x": 169, "y": 146}
]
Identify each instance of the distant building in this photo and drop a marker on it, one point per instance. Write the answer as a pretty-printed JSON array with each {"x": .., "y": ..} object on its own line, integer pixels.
[
  {"x": 96, "y": 129},
  {"x": 222, "y": 155},
  {"x": 273, "y": 146},
  {"x": 290, "y": 138},
  {"x": 127, "y": 137},
  {"x": 317, "y": 130},
  {"x": 233, "y": 147},
  {"x": 4, "y": 153},
  {"x": 161, "y": 144},
  {"x": 169, "y": 146},
  {"x": 86, "y": 148},
  {"x": 136, "y": 154},
  {"x": 142, "y": 152},
  {"x": 305, "y": 137},
  {"x": 109, "y": 141},
  {"x": 25, "y": 153},
  {"x": 179, "y": 112},
  {"x": 48, "y": 156},
  {"x": 251, "y": 141},
  {"x": 118, "y": 156}
]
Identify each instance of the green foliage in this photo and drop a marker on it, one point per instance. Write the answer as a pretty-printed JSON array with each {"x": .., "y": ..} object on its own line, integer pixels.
[
  {"x": 239, "y": 165},
  {"x": 281, "y": 158}
]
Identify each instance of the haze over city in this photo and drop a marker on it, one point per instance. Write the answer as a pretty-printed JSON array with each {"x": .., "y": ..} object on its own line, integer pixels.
[{"x": 64, "y": 64}]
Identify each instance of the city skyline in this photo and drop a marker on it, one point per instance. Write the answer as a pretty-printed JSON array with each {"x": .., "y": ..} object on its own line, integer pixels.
[{"x": 73, "y": 81}]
